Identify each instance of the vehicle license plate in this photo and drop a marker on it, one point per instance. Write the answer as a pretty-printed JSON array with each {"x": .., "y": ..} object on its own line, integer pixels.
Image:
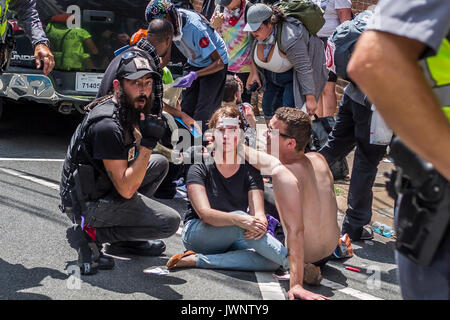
[{"x": 88, "y": 82}]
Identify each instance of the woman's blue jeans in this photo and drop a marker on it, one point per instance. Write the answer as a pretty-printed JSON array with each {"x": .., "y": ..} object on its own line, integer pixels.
[
  {"x": 227, "y": 248},
  {"x": 279, "y": 92}
]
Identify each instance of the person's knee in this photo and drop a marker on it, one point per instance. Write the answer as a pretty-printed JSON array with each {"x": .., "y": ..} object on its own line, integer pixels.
[
  {"x": 171, "y": 223},
  {"x": 158, "y": 166},
  {"x": 159, "y": 163}
]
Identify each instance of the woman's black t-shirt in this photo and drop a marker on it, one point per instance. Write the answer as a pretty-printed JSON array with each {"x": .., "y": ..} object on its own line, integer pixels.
[{"x": 224, "y": 194}]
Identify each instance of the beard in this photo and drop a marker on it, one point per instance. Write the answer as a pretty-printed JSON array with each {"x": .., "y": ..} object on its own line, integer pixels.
[{"x": 128, "y": 113}]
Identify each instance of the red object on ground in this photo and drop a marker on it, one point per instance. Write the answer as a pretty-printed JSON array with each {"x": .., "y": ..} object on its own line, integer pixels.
[{"x": 353, "y": 269}]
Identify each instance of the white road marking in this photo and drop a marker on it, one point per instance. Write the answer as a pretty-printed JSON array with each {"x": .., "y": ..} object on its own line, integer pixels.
[
  {"x": 31, "y": 160},
  {"x": 269, "y": 287},
  {"x": 359, "y": 294},
  {"x": 30, "y": 178},
  {"x": 349, "y": 291}
]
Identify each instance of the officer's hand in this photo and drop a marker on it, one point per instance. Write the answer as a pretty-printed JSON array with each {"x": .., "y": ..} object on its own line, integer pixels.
[
  {"x": 152, "y": 129},
  {"x": 43, "y": 53},
  {"x": 187, "y": 80}
]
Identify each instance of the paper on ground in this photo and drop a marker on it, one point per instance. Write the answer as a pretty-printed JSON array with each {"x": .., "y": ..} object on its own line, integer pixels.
[{"x": 157, "y": 271}]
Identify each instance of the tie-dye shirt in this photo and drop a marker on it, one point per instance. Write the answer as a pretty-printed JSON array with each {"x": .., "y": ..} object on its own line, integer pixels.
[{"x": 236, "y": 40}]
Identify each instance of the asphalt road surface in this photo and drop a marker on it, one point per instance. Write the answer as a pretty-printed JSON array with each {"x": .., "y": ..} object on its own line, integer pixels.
[{"x": 37, "y": 263}]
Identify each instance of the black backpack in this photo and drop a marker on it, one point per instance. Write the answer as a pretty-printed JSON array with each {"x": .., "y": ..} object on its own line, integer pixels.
[{"x": 344, "y": 39}]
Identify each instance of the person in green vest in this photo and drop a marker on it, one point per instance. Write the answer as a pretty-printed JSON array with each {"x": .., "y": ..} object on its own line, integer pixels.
[
  {"x": 72, "y": 47},
  {"x": 29, "y": 20},
  {"x": 410, "y": 87}
]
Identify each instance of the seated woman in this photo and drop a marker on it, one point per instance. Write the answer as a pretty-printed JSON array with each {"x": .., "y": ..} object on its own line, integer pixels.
[
  {"x": 218, "y": 231},
  {"x": 290, "y": 60}
]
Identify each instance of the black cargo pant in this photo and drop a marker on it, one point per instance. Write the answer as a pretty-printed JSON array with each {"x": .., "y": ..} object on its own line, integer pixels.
[
  {"x": 139, "y": 218},
  {"x": 353, "y": 128},
  {"x": 205, "y": 96}
]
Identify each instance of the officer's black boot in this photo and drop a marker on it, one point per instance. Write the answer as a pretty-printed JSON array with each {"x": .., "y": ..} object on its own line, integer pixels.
[
  {"x": 90, "y": 257},
  {"x": 87, "y": 250},
  {"x": 105, "y": 262}
]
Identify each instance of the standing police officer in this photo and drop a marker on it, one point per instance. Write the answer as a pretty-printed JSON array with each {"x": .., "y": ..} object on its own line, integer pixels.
[
  {"x": 207, "y": 58},
  {"x": 110, "y": 172},
  {"x": 410, "y": 86},
  {"x": 29, "y": 19}
]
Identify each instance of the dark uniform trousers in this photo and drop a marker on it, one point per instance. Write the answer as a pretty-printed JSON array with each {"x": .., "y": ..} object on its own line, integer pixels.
[
  {"x": 139, "y": 218},
  {"x": 353, "y": 128},
  {"x": 205, "y": 96}
]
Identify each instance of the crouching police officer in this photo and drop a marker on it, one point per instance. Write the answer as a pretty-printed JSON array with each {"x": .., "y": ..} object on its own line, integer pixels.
[
  {"x": 415, "y": 103},
  {"x": 109, "y": 172}
]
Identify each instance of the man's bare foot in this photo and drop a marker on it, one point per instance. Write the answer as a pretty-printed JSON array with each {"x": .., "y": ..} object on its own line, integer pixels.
[{"x": 312, "y": 274}]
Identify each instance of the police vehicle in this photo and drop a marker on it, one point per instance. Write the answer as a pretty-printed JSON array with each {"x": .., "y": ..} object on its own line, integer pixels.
[{"x": 84, "y": 35}]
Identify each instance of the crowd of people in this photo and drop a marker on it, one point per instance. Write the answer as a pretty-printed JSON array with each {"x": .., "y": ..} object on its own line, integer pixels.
[{"x": 234, "y": 217}]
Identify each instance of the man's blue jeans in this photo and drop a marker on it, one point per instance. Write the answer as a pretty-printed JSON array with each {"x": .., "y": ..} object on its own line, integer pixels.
[{"x": 226, "y": 248}]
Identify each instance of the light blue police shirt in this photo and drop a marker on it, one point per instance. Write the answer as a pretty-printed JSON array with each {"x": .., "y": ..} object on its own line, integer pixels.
[{"x": 199, "y": 41}]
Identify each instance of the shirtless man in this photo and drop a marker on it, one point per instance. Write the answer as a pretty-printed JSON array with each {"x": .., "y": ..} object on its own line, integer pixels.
[{"x": 304, "y": 194}]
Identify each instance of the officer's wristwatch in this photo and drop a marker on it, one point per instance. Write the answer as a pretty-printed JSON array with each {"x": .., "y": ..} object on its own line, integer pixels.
[{"x": 45, "y": 42}]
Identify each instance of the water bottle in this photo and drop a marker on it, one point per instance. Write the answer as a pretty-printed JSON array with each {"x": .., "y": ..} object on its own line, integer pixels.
[
  {"x": 376, "y": 226},
  {"x": 387, "y": 231},
  {"x": 382, "y": 229}
]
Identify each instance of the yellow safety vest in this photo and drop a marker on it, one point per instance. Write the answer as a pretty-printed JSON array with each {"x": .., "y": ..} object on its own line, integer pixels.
[
  {"x": 4, "y": 5},
  {"x": 437, "y": 70}
]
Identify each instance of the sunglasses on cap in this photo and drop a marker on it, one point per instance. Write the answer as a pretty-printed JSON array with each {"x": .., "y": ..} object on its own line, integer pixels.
[{"x": 129, "y": 55}]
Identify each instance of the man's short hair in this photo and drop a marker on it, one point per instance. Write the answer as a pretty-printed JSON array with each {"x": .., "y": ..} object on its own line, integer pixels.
[
  {"x": 298, "y": 125},
  {"x": 160, "y": 30},
  {"x": 231, "y": 87}
]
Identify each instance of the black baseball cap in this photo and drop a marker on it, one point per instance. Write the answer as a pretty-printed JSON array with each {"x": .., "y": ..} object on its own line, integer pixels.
[{"x": 135, "y": 65}]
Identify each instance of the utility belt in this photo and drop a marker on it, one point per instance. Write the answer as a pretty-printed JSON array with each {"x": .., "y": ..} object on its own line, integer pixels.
[
  {"x": 422, "y": 206},
  {"x": 86, "y": 189}
]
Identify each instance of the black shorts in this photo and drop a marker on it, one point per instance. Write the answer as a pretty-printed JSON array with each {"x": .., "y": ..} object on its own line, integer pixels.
[{"x": 332, "y": 77}]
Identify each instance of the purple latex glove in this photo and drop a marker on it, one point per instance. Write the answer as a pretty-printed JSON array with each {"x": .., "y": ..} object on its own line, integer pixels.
[
  {"x": 187, "y": 80},
  {"x": 271, "y": 224}
]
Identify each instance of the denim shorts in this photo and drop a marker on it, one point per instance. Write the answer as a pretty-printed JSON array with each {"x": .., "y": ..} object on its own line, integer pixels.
[{"x": 279, "y": 92}]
